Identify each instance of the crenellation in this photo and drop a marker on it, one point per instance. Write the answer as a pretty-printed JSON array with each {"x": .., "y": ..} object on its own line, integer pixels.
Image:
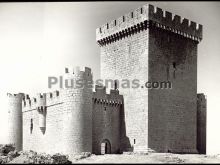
[
  {"x": 100, "y": 90},
  {"x": 101, "y": 97},
  {"x": 16, "y": 96},
  {"x": 53, "y": 98},
  {"x": 88, "y": 72},
  {"x": 78, "y": 72},
  {"x": 166, "y": 20},
  {"x": 143, "y": 44},
  {"x": 52, "y": 95},
  {"x": 49, "y": 96},
  {"x": 41, "y": 99},
  {"x": 29, "y": 104},
  {"x": 114, "y": 92}
]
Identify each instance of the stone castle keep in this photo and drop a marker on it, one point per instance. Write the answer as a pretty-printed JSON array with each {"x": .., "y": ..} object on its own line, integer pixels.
[{"x": 148, "y": 44}]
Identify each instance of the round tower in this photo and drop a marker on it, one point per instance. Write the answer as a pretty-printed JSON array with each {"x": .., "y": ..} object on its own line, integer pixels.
[
  {"x": 15, "y": 120},
  {"x": 42, "y": 111},
  {"x": 77, "y": 100}
]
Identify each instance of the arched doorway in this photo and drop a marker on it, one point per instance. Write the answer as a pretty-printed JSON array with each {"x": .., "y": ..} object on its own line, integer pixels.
[{"x": 105, "y": 147}]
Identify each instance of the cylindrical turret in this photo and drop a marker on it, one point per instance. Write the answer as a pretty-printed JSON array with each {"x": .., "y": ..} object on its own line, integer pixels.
[
  {"x": 15, "y": 120},
  {"x": 77, "y": 125},
  {"x": 41, "y": 108}
]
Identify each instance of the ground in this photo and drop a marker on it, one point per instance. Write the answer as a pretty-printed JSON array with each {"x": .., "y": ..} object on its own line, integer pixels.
[
  {"x": 152, "y": 158},
  {"x": 140, "y": 158},
  {"x": 8, "y": 154}
]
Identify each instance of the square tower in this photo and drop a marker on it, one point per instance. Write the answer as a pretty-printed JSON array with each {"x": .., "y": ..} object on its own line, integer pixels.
[{"x": 152, "y": 45}]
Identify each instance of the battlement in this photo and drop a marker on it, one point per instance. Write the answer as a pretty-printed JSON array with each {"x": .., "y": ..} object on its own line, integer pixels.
[
  {"x": 100, "y": 90},
  {"x": 16, "y": 96},
  {"x": 40, "y": 100},
  {"x": 52, "y": 95},
  {"x": 78, "y": 71},
  {"x": 53, "y": 98},
  {"x": 201, "y": 97},
  {"x": 101, "y": 97},
  {"x": 28, "y": 102},
  {"x": 145, "y": 17}
]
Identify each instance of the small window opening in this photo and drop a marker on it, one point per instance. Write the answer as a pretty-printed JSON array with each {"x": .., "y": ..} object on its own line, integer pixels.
[
  {"x": 141, "y": 10},
  {"x": 100, "y": 30},
  {"x": 107, "y": 25},
  {"x": 174, "y": 65},
  {"x": 129, "y": 48},
  {"x": 115, "y": 22},
  {"x": 31, "y": 126},
  {"x": 174, "y": 72},
  {"x": 116, "y": 84},
  {"x": 134, "y": 141},
  {"x": 123, "y": 18},
  {"x": 132, "y": 14}
]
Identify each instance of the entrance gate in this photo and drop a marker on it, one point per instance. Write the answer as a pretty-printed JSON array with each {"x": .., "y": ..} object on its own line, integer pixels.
[{"x": 105, "y": 147}]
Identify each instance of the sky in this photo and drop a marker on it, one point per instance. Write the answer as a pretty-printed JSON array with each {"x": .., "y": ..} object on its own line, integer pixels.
[{"x": 40, "y": 39}]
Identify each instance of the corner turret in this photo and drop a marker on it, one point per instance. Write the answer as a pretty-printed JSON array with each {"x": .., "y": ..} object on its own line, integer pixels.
[{"x": 15, "y": 119}]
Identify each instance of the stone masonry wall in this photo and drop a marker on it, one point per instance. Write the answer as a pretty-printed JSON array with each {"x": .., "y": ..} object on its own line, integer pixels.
[
  {"x": 68, "y": 118},
  {"x": 201, "y": 123},
  {"x": 106, "y": 119},
  {"x": 127, "y": 59},
  {"x": 51, "y": 140},
  {"x": 77, "y": 131},
  {"x": 135, "y": 20},
  {"x": 15, "y": 120},
  {"x": 132, "y": 49},
  {"x": 172, "y": 112}
]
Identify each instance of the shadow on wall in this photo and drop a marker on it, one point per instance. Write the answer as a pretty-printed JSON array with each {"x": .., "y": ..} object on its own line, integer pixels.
[{"x": 125, "y": 142}]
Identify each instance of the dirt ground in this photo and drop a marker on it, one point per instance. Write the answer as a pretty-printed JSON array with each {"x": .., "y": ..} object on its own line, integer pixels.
[
  {"x": 151, "y": 158},
  {"x": 139, "y": 158}
]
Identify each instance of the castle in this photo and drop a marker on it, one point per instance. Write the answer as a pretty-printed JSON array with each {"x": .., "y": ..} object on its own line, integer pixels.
[{"x": 148, "y": 44}]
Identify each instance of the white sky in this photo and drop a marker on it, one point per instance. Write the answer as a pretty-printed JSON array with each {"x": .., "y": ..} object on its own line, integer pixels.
[{"x": 40, "y": 39}]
